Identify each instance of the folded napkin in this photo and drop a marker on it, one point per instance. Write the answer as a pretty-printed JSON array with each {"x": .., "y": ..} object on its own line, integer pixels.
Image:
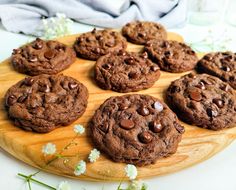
[{"x": 26, "y": 15}]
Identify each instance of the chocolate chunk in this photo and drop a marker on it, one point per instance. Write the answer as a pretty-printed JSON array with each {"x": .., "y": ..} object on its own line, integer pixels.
[
  {"x": 16, "y": 51},
  {"x": 156, "y": 126},
  {"x": 22, "y": 98},
  {"x": 29, "y": 81},
  {"x": 218, "y": 102},
  {"x": 44, "y": 88},
  {"x": 211, "y": 112},
  {"x": 49, "y": 54},
  {"x": 144, "y": 111},
  {"x": 133, "y": 75},
  {"x": 145, "y": 137},
  {"x": 158, "y": 106},
  {"x": 127, "y": 124},
  {"x": 226, "y": 68},
  {"x": 33, "y": 58},
  {"x": 180, "y": 129},
  {"x": 155, "y": 68},
  {"x": 72, "y": 85},
  {"x": 11, "y": 100},
  {"x": 201, "y": 85},
  {"x": 195, "y": 95}
]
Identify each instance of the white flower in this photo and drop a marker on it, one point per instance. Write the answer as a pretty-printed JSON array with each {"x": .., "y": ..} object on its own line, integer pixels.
[
  {"x": 137, "y": 185},
  {"x": 64, "y": 185},
  {"x": 131, "y": 171},
  {"x": 79, "y": 129},
  {"x": 80, "y": 168},
  {"x": 94, "y": 155},
  {"x": 49, "y": 149}
]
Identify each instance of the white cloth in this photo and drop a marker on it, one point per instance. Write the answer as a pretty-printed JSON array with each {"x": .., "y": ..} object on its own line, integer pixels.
[{"x": 25, "y": 15}]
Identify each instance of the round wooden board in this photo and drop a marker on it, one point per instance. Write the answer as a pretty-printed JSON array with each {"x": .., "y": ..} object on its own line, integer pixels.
[{"x": 196, "y": 146}]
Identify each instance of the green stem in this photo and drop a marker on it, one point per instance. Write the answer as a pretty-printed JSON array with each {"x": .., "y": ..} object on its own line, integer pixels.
[{"x": 29, "y": 178}]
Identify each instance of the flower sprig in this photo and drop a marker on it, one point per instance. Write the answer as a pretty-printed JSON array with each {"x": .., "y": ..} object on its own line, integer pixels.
[
  {"x": 50, "y": 149},
  {"x": 57, "y": 26}
]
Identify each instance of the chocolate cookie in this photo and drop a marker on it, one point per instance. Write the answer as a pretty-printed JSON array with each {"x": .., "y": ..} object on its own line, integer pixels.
[
  {"x": 92, "y": 45},
  {"x": 136, "y": 129},
  {"x": 140, "y": 32},
  {"x": 45, "y": 102},
  {"x": 126, "y": 72},
  {"x": 42, "y": 57},
  {"x": 171, "y": 56},
  {"x": 203, "y": 100},
  {"x": 220, "y": 64}
]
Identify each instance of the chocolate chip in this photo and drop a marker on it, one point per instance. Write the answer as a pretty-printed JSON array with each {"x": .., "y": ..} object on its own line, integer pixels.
[
  {"x": 33, "y": 58},
  {"x": 28, "y": 81},
  {"x": 174, "y": 89},
  {"x": 145, "y": 55},
  {"x": 201, "y": 86},
  {"x": 121, "y": 52},
  {"x": 225, "y": 88},
  {"x": 195, "y": 95},
  {"x": 44, "y": 88},
  {"x": 211, "y": 112},
  {"x": 10, "y": 100},
  {"x": 231, "y": 78},
  {"x": 72, "y": 85},
  {"x": 145, "y": 137},
  {"x": 94, "y": 31},
  {"x": 167, "y": 53},
  {"x": 99, "y": 38},
  {"x": 80, "y": 39},
  {"x": 22, "y": 98},
  {"x": 104, "y": 127},
  {"x": 225, "y": 68},
  {"x": 218, "y": 102},
  {"x": 141, "y": 34},
  {"x": 155, "y": 126},
  {"x": 154, "y": 68},
  {"x": 180, "y": 129},
  {"x": 49, "y": 54},
  {"x": 106, "y": 66},
  {"x": 123, "y": 107},
  {"x": 191, "y": 75},
  {"x": 97, "y": 50},
  {"x": 133, "y": 75},
  {"x": 143, "y": 110},
  {"x": 127, "y": 124},
  {"x": 38, "y": 44},
  {"x": 130, "y": 61},
  {"x": 16, "y": 51},
  {"x": 158, "y": 106}
]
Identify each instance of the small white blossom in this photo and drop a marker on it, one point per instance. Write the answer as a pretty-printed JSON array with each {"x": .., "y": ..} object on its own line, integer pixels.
[
  {"x": 79, "y": 129},
  {"x": 137, "y": 185},
  {"x": 94, "y": 155},
  {"x": 64, "y": 185},
  {"x": 80, "y": 168},
  {"x": 49, "y": 149},
  {"x": 131, "y": 171}
]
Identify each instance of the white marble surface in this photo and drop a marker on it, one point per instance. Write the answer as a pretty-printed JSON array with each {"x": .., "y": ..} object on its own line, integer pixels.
[{"x": 217, "y": 173}]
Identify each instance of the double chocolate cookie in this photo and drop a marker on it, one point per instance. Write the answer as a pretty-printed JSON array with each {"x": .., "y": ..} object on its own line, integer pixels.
[
  {"x": 136, "y": 129},
  {"x": 171, "y": 56},
  {"x": 92, "y": 45},
  {"x": 220, "y": 64},
  {"x": 140, "y": 32},
  {"x": 126, "y": 72},
  {"x": 44, "y": 102},
  {"x": 42, "y": 57},
  {"x": 203, "y": 100}
]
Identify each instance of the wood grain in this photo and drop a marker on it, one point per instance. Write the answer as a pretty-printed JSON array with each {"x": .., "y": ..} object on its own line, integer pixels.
[{"x": 197, "y": 144}]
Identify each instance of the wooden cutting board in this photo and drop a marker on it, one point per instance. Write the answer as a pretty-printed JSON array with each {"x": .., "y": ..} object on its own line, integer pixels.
[{"x": 196, "y": 146}]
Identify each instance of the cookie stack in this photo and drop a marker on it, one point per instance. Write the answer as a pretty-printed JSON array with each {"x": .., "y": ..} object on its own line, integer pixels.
[{"x": 133, "y": 128}]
